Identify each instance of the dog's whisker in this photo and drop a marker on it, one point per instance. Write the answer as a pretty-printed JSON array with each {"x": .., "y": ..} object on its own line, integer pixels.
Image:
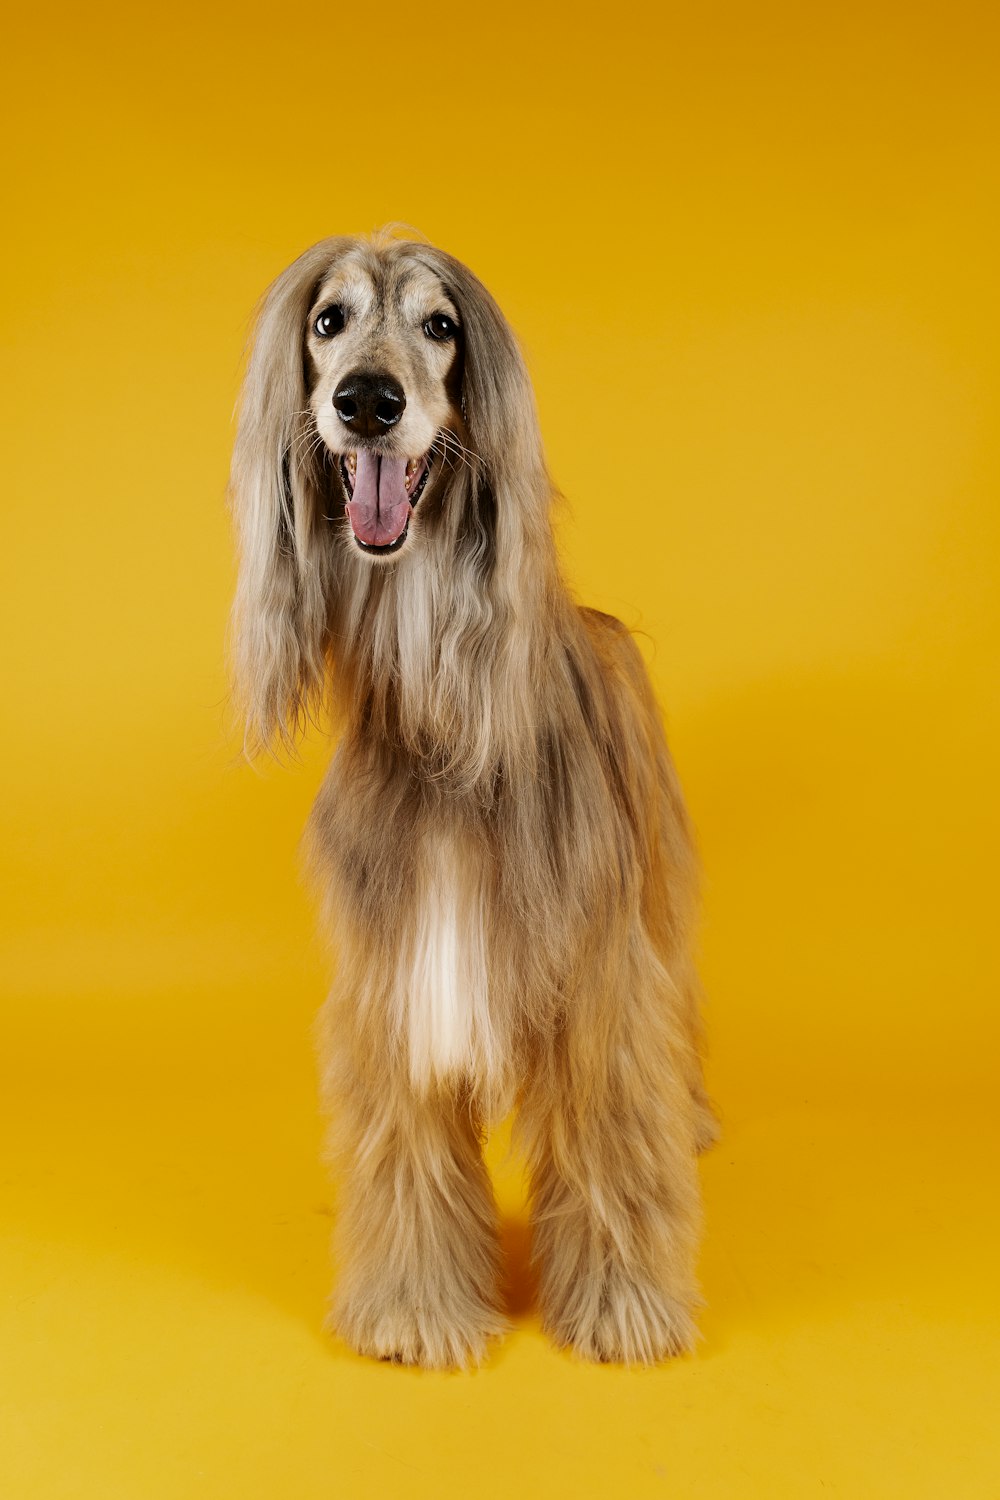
[
  {"x": 306, "y": 445},
  {"x": 453, "y": 452},
  {"x": 454, "y": 442}
]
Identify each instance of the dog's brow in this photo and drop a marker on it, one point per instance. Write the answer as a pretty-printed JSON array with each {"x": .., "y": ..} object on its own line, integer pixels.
[
  {"x": 351, "y": 286},
  {"x": 422, "y": 294}
]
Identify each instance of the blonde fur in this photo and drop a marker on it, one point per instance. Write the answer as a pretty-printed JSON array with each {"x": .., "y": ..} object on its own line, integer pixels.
[{"x": 505, "y": 858}]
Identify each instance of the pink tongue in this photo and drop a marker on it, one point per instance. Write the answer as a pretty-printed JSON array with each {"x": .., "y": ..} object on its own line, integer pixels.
[{"x": 379, "y": 508}]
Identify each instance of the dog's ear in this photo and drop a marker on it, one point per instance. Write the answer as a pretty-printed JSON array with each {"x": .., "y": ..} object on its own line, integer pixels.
[
  {"x": 498, "y": 410},
  {"x": 497, "y": 402},
  {"x": 281, "y": 612}
]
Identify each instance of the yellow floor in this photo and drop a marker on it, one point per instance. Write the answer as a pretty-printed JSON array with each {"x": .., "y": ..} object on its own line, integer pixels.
[{"x": 165, "y": 1266}]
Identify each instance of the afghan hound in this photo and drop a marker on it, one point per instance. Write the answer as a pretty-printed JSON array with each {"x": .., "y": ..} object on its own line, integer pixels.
[{"x": 505, "y": 862}]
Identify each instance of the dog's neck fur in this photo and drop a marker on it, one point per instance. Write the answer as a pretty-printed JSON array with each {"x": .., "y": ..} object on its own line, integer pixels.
[{"x": 446, "y": 655}]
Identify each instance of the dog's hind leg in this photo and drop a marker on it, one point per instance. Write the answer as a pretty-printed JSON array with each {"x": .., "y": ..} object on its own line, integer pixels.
[
  {"x": 610, "y": 1126},
  {"x": 416, "y": 1236}
]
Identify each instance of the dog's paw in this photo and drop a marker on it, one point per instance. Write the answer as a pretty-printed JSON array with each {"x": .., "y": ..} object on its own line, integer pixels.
[
  {"x": 623, "y": 1320},
  {"x": 423, "y": 1331}
]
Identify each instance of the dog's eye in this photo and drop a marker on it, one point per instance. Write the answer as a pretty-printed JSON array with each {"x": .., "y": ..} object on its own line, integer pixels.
[
  {"x": 439, "y": 326},
  {"x": 329, "y": 322}
]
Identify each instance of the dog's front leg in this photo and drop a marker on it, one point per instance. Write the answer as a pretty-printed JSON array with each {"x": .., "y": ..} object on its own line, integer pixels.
[
  {"x": 416, "y": 1237},
  {"x": 610, "y": 1127}
]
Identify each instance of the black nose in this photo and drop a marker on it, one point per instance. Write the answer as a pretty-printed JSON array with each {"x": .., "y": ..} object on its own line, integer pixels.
[{"x": 369, "y": 404}]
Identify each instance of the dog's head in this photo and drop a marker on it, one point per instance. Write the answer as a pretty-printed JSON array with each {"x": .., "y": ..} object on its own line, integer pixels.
[
  {"x": 386, "y": 411},
  {"x": 384, "y": 355}
]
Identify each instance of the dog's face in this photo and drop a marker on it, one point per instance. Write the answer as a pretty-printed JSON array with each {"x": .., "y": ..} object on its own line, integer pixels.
[
  {"x": 383, "y": 353},
  {"x": 388, "y": 466}
]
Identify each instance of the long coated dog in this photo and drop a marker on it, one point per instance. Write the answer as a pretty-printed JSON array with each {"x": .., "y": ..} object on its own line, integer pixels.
[{"x": 506, "y": 863}]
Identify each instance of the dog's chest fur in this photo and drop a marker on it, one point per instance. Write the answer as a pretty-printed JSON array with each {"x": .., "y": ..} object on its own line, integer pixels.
[{"x": 442, "y": 986}]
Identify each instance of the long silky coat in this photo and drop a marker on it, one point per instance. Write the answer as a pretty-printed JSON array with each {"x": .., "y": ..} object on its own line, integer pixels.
[{"x": 505, "y": 859}]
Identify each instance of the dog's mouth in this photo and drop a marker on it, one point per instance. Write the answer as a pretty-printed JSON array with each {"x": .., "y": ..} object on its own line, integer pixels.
[{"x": 381, "y": 494}]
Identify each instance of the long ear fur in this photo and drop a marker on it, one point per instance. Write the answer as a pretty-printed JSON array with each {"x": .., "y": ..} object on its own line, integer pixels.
[
  {"x": 281, "y": 612},
  {"x": 497, "y": 399},
  {"x": 510, "y": 480}
]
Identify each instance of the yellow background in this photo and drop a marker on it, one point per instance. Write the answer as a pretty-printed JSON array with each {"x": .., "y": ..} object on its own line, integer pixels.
[{"x": 752, "y": 253}]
